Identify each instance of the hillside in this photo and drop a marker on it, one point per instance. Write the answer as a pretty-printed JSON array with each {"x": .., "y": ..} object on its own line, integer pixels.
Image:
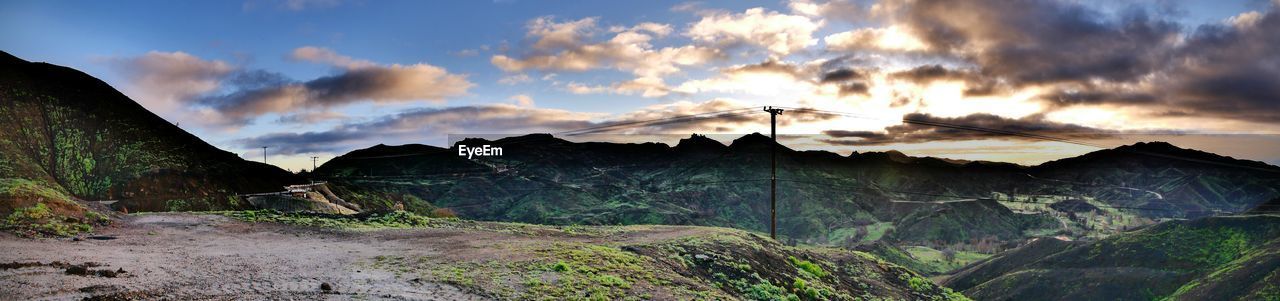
[
  {"x": 823, "y": 197},
  {"x": 543, "y": 179},
  {"x": 401, "y": 256},
  {"x": 72, "y": 137},
  {"x": 1214, "y": 258}
]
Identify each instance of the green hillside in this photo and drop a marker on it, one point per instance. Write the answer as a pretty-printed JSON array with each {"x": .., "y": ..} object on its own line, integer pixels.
[
  {"x": 70, "y": 137},
  {"x": 538, "y": 262},
  {"x": 1215, "y": 258},
  {"x": 823, "y": 198}
]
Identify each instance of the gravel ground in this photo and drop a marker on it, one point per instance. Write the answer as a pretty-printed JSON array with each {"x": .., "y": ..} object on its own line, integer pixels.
[{"x": 208, "y": 257}]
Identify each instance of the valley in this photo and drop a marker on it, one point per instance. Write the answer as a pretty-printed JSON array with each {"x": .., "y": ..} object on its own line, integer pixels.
[{"x": 103, "y": 200}]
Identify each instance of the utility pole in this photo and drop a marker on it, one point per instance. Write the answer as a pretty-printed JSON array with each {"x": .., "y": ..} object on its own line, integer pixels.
[
  {"x": 773, "y": 173},
  {"x": 264, "y": 155},
  {"x": 313, "y": 163}
]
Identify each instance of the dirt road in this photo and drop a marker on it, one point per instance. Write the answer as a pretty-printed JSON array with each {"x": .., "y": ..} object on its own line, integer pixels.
[{"x": 208, "y": 257}]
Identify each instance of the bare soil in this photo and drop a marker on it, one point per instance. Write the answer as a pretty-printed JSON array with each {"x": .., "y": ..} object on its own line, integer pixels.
[{"x": 209, "y": 257}]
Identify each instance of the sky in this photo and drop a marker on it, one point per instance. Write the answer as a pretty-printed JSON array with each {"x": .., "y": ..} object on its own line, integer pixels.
[{"x": 324, "y": 77}]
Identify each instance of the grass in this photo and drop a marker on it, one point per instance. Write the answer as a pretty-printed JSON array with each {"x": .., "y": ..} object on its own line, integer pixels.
[
  {"x": 45, "y": 211},
  {"x": 406, "y": 219},
  {"x": 387, "y": 220},
  {"x": 38, "y": 220},
  {"x": 557, "y": 263},
  {"x": 808, "y": 268},
  {"x": 935, "y": 260}
]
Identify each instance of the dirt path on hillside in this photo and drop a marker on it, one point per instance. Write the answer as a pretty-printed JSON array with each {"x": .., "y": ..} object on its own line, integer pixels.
[{"x": 208, "y": 257}]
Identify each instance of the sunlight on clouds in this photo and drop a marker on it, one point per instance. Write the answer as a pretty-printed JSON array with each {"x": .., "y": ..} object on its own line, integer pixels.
[
  {"x": 891, "y": 38},
  {"x": 753, "y": 83},
  {"x": 947, "y": 99},
  {"x": 780, "y": 34}
]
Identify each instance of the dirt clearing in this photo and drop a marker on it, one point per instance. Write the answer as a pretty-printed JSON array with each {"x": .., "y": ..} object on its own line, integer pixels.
[{"x": 209, "y": 257}]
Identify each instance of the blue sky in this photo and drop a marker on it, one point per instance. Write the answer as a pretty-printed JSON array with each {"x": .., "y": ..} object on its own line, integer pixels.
[{"x": 685, "y": 57}]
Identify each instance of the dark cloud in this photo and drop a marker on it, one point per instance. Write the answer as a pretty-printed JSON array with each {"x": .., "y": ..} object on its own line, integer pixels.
[
  {"x": 1232, "y": 69},
  {"x": 256, "y": 79},
  {"x": 928, "y": 73},
  {"x": 1043, "y": 41},
  {"x": 1134, "y": 56},
  {"x": 844, "y": 74},
  {"x": 773, "y": 66},
  {"x": 382, "y": 84},
  {"x": 178, "y": 81},
  {"x": 1097, "y": 96},
  {"x": 851, "y": 80},
  {"x": 976, "y": 84},
  {"x": 916, "y": 133}
]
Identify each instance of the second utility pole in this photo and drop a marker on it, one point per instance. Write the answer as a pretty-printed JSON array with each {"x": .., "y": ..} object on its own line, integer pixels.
[{"x": 773, "y": 174}]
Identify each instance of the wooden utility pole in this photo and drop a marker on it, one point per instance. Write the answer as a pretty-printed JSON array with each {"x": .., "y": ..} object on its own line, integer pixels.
[
  {"x": 313, "y": 163},
  {"x": 264, "y": 155},
  {"x": 773, "y": 173}
]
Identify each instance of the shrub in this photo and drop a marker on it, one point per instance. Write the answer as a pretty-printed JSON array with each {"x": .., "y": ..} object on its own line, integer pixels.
[
  {"x": 808, "y": 268},
  {"x": 39, "y": 220},
  {"x": 444, "y": 213}
]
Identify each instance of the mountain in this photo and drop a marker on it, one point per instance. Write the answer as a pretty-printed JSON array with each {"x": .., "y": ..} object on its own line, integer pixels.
[
  {"x": 822, "y": 197},
  {"x": 1213, "y": 258},
  {"x": 72, "y": 137},
  {"x": 1272, "y": 206},
  {"x": 1159, "y": 175}
]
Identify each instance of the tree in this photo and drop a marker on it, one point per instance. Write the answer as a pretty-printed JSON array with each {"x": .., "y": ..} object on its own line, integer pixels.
[{"x": 949, "y": 255}]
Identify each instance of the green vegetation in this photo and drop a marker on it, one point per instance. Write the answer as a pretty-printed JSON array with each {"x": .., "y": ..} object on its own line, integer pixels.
[
  {"x": 589, "y": 262},
  {"x": 33, "y": 209},
  {"x": 76, "y": 135},
  {"x": 395, "y": 219},
  {"x": 807, "y": 268},
  {"x": 38, "y": 220},
  {"x": 937, "y": 262},
  {"x": 1215, "y": 258}
]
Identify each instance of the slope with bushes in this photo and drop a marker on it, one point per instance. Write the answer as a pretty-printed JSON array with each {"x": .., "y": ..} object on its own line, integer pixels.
[{"x": 1215, "y": 258}]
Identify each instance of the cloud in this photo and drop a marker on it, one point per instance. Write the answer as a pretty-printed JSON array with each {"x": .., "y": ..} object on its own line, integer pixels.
[
  {"x": 569, "y": 46},
  {"x": 515, "y": 79},
  {"x": 1041, "y": 41},
  {"x": 523, "y": 100},
  {"x": 770, "y": 77},
  {"x": 566, "y": 46},
  {"x": 835, "y": 10},
  {"x": 328, "y": 56},
  {"x": 780, "y": 34},
  {"x": 891, "y": 38},
  {"x": 917, "y": 133},
  {"x": 220, "y": 95},
  {"x": 1230, "y": 69},
  {"x": 357, "y": 81},
  {"x": 164, "y": 80}
]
